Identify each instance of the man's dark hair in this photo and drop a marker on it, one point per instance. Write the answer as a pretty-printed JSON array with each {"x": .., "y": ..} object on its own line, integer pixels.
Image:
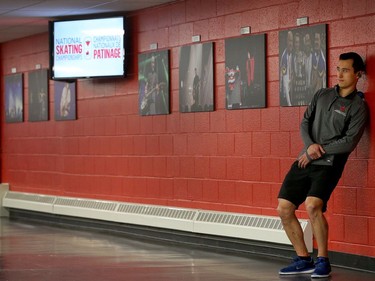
[{"x": 358, "y": 63}]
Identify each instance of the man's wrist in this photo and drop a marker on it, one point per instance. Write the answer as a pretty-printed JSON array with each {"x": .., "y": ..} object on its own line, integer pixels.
[{"x": 308, "y": 156}]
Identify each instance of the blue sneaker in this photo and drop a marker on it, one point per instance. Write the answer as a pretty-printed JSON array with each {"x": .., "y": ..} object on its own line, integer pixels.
[
  {"x": 298, "y": 266},
  {"x": 322, "y": 268}
]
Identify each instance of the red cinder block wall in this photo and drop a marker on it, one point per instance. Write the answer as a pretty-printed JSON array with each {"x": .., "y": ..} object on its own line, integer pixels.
[{"x": 222, "y": 160}]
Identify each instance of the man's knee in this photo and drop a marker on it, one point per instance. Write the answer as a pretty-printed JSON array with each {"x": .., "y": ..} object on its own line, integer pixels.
[
  {"x": 285, "y": 209},
  {"x": 314, "y": 206}
]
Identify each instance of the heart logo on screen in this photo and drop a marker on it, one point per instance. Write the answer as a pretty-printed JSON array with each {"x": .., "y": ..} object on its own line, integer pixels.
[{"x": 87, "y": 48}]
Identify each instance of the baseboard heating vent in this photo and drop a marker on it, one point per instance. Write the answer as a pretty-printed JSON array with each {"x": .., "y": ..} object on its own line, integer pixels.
[
  {"x": 86, "y": 203},
  {"x": 167, "y": 212},
  {"x": 86, "y": 208},
  {"x": 260, "y": 228},
  {"x": 158, "y": 216},
  {"x": 253, "y": 227},
  {"x": 29, "y": 201}
]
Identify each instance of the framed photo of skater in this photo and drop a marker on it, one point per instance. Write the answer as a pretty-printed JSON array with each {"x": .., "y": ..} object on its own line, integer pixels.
[
  {"x": 196, "y": 78},
  {"x": 65, "y": 100},
  {"x": 153, "y": 83},
  {"x": 302, "y": 62},
  {"x": 38, "y": 95},
  {"x": 13, "y": 99},
  {"x": 245, "y": 72}
]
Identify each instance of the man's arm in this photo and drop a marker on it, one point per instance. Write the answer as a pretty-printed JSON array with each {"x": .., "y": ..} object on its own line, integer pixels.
[
  {"x": 307, "y": 120},
  {"x": 349, "y": 141}
]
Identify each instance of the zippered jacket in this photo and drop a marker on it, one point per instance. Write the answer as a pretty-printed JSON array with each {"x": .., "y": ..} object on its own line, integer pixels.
[{"x": 337, "y": 123}]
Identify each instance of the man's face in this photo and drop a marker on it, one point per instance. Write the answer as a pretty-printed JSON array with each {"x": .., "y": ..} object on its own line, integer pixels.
[
  {"x": 317, "y": 41},
  {"x": 346, "y": 77}
]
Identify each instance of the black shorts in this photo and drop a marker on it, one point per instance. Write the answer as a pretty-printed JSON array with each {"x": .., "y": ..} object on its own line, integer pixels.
[{"x": 314, "y": 180}]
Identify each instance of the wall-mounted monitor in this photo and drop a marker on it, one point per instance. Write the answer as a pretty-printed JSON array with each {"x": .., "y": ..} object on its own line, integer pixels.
[{"x": 88, "y": 48}]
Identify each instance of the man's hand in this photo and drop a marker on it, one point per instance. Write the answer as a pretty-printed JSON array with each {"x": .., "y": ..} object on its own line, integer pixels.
[
  {"x": 303, "y": 161},
  {"x": 313, "y": 152}
]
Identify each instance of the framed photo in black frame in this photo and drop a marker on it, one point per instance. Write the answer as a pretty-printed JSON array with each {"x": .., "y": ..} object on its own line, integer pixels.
[
  {"x": 196, "y": 78},
  {"x": 153, "y": 83},
  {"x": 13, "y": 85},
  {"x": 38, "y": 95},
  {"x": 245, "y": 72},
  {"x": 302, "y": 62}
]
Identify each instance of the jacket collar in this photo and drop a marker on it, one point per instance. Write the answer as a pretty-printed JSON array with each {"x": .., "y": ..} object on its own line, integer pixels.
[{"x": 350, "y": 96}]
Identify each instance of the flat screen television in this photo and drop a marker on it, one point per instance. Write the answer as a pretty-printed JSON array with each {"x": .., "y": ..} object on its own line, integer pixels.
[{"x": 88, "y": 48}]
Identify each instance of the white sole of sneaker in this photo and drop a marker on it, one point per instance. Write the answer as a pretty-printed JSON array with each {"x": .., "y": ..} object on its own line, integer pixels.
[
  {"x": 320, "y": 276},
  {"x": 297, "y": 272}
]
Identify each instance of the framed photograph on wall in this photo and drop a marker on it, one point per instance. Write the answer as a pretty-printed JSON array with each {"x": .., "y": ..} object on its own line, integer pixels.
[
  {"x": 245, "y": 72},
  {"x": 302, "y": 62},
  {"x": 65, "y": 100},
  {"x": 196, "y": 78},
  {"x": 38, "y": 95},
  {"x": 13, "y": 85},
  {"x": 153, "y": 82}
]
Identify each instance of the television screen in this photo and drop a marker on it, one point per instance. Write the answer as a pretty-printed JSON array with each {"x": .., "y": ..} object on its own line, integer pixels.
[{"x": 87, "y": 48}]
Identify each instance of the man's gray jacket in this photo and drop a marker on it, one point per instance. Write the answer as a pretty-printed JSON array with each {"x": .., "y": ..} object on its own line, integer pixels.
[{"x": 337, "y": 123}]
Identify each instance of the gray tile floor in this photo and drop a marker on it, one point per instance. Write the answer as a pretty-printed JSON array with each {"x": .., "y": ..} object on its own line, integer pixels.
[{"x": 35, "y": 252}]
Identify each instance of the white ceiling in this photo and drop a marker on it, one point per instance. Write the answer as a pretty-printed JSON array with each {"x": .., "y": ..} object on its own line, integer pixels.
[{"x": 22, "y": 18}]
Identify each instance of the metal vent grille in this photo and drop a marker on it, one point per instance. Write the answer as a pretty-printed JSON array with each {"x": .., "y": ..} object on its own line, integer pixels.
[
  {"x": 30, "y": 197},
  {"x": 157, "y": 211},
  {"x": 240, "y": 220},
  {"x": 89, "y": 204}
]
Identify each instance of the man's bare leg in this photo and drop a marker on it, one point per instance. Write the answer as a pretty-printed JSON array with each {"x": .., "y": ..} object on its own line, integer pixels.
[
  {"x": 319, "y": 224},
  {"x": 292, "y": 226}
]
